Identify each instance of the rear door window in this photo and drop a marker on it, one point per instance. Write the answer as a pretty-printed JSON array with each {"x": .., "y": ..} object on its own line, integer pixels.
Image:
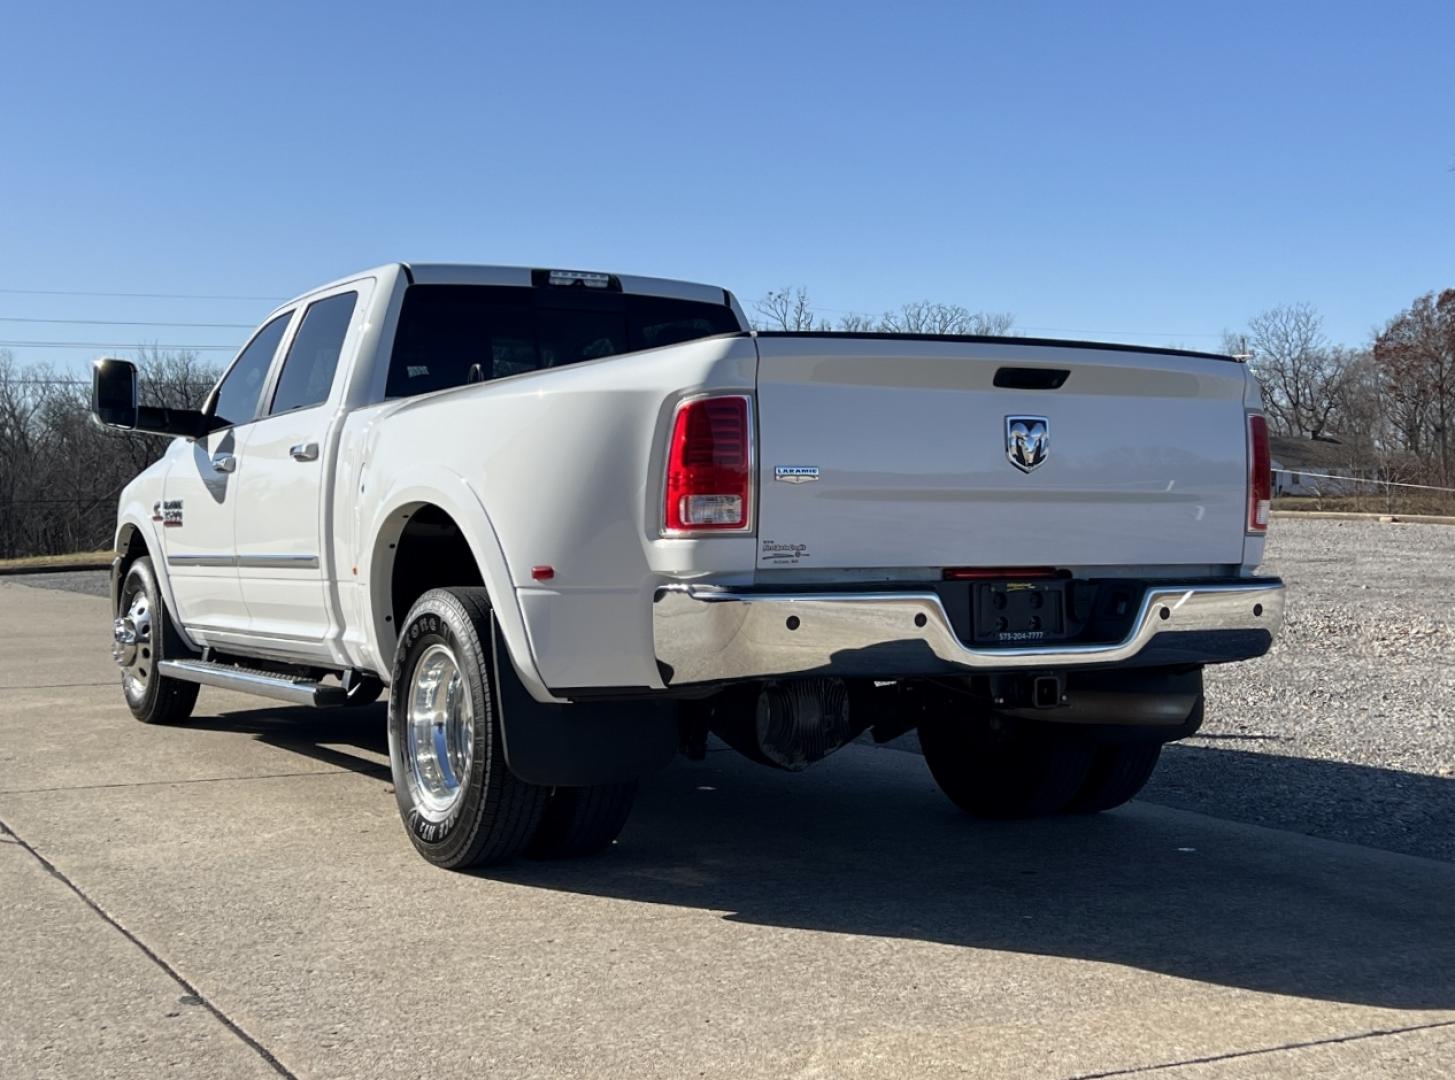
[
  {"x": 308, "y": 370},
  {"x": 450, "y": 335}
]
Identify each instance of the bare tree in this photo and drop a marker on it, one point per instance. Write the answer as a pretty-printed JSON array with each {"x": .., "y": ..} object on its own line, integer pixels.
[
  {"x": 1416, "y": 357},
  {"x": 855, "y": 322},
  {"x": 1301, "y": 375},
  {"x": 927, "y": 317},
  {"x": 787, "y": 308},
  {"x": 59, "y": 472}
]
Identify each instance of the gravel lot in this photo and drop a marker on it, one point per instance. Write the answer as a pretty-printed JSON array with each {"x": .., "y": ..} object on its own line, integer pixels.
[
  {"x": 1346, "y": 730},
  {"x": 1365, "y": 669}
]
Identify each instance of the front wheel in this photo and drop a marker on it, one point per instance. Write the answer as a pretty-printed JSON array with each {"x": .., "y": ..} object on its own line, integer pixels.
[
  {"x": 141, "y": 637},
  {"x": 459, "y": 800}
]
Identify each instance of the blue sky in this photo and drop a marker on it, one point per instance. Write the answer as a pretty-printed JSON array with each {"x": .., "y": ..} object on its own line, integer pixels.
[{"x": 1147, "y": 172}]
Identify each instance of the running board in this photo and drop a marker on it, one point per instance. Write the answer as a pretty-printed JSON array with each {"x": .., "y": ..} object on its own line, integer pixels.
[{"x": 298, "y": 690}]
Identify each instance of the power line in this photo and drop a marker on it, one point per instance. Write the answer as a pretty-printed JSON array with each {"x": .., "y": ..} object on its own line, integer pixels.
[
  {"x": 279, "y": 299},
  {"x": 128, "y": 322},
  {"x": 1361, "y": 480},
  {"x": 111, "y": 345},
  {"x": 142, "y": 295},
  {"x": 206, "y": 380}
]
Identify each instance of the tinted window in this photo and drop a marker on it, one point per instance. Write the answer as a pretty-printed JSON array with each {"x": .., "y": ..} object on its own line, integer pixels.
[
  {"x": 237, "y": 396},
  {"x": 450, "y": 335},
  {"x": 312, "y": 359}
]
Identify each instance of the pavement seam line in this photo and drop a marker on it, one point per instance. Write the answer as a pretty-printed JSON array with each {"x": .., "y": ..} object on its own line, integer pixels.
[
  {"x": 1332, "y": 1040},
  {"x": 164, "y": 783},
  {"x": 176, "y": 976}
]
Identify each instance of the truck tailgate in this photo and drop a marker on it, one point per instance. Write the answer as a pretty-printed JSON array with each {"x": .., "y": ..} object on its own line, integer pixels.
[{"x": 893, "y": 453}]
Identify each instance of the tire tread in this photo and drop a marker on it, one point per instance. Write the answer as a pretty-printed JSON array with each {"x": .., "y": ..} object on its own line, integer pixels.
[
  {"x": 1117, "y": 775},
  {"x": 583, "y": 820}
]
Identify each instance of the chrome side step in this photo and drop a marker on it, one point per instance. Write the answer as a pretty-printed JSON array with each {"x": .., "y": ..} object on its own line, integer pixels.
[{"x": 298, "y": 690}]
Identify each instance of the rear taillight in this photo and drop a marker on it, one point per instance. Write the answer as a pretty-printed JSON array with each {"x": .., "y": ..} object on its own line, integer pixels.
[
  {"x": 1260, "y": 474},
  {"x": 709, "y": 467}
]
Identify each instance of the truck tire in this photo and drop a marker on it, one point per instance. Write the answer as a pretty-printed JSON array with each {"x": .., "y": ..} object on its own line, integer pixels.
[
  {"x": 994, "y": 769},
  {"x": 143, "y": 637},
  {"x": 583, "y": 820},
  {"x": 1118, "y": 772},
  {"x": 461, "y": 804}
]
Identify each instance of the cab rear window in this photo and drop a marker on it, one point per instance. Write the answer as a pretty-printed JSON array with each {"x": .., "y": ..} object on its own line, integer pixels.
[{"x": 450, "y": 335}]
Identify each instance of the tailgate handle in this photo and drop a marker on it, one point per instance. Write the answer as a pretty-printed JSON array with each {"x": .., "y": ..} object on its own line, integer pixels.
[{"x": 1031, "y": 378}]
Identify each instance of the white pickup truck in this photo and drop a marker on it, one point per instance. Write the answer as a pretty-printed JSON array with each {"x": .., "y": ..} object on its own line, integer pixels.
[{"x": 577, "y": 522}]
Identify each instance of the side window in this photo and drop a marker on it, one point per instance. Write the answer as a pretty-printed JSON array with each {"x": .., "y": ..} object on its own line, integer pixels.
[
  {"x": 308, "y": 371},
  {"x": 242, "y": 386},
  {"x": 450, "y": 335}
]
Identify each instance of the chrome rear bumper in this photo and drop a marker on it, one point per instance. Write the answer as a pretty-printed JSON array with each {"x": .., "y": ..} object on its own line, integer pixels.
[{"x": 705, "y": 634}]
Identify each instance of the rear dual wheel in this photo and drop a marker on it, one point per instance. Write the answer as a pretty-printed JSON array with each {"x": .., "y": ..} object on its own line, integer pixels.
[
  {"x": 996, "y": 768},
  {"x": 461, "y": 804}
]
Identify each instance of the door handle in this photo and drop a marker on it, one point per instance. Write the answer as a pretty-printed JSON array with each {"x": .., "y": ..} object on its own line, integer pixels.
[
  {"x": 224, "y": 463},
  {"x": 304, "y": 451}
]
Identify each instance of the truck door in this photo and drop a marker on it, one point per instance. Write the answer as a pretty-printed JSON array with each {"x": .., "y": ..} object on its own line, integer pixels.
[
  {"x": 284, "y": 555},
  {"x": 200, "y": 495}
]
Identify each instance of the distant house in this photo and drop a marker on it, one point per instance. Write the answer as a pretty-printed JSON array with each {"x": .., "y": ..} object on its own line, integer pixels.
[{"x": 1305, "y": 467}]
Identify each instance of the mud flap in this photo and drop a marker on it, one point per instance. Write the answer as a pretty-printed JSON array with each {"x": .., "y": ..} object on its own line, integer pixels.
[{"x": 578, "y": 745}]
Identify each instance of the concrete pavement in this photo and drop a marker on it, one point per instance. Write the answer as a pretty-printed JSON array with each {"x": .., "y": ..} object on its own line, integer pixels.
[{"x": 237, "y": 898}]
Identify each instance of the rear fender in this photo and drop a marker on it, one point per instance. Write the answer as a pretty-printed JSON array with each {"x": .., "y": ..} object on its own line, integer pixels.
[{"x": 450, "y": 492}]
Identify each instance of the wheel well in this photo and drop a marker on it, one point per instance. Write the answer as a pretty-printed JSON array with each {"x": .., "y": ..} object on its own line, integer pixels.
[
  {"x": 431, "y": 553},
  {"x": 130, "y": 545}
]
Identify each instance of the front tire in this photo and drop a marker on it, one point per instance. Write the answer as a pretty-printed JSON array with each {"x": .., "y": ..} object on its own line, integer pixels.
[
  {"x": 461, "y": 804},
  {"x": 143, "y": 637},
  {"x": 995, "y": 768}
]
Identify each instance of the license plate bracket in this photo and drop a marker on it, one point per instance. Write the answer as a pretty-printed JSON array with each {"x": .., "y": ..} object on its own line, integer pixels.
[{"x": 1019, "y": 612}]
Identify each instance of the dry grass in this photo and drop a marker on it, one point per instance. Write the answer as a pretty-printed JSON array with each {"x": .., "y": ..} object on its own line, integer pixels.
[{"x": 77, "y": 560}]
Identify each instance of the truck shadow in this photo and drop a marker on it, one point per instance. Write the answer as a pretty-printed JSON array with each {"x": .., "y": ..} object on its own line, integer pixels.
[
  {"x": 352, "y": 739},
  {"x": 864, "y": 844}
]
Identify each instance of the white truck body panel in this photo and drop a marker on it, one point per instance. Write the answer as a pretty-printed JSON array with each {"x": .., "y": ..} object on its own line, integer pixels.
[
  {"x": 1147, "y": 462},
  {"x": 200, "y": 550},
  {"x": 563, "y": 460}
]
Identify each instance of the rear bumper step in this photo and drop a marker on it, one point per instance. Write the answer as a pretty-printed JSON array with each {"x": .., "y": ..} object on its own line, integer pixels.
[
  {"x": 299, "y": 691},
  {"x": 705, "y": 635}
]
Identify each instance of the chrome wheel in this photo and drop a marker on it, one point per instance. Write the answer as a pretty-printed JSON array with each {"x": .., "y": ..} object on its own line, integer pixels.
[
  {"x": 439, "y": 733},
  {"x": 131, "y": 646}
]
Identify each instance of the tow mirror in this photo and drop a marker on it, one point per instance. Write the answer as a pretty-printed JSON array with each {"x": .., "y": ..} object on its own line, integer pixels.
[
  {"x": 115, "y": 403},
  {"x": 113, "y": 393}
]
